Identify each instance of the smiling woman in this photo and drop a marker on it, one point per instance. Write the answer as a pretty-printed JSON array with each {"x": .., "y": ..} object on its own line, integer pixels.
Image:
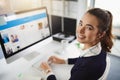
[
  {"x": 87, "y": 30},
  {"x": 94, "y": 31}
]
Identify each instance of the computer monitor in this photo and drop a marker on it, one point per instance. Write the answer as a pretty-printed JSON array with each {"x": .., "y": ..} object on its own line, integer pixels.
[
  {"x": 70, "y": 26},
  {"x": 26, "y": 29},
  {"x": 56, "y": 22}
]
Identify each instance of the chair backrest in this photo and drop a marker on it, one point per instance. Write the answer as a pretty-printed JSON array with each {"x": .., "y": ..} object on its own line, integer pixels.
[{"x": 105, "y": 74}]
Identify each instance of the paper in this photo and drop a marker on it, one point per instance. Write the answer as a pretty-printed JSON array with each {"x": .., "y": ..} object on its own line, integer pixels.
[{"x": 2, "y": 20}]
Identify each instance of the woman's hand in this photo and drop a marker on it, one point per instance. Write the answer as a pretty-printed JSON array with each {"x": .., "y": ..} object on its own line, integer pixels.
[
  {"x": 45, "y": 67},
  {"x": 54, "y": 59}
]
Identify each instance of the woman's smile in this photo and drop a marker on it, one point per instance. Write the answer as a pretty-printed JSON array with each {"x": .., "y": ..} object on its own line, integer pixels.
[{"x": 81, "y": 36}]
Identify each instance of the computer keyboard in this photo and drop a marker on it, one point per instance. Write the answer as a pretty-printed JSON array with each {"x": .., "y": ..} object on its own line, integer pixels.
[
  {"x": 43, "y": 59},
  {"x": 61, "y": 71}
]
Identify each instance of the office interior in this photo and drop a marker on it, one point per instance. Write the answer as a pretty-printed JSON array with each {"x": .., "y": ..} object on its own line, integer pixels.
[{"x": 61, "y": 13}]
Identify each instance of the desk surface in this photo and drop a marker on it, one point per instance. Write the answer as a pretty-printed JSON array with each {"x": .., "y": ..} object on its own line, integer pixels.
[{"x": 21, "y": 67}]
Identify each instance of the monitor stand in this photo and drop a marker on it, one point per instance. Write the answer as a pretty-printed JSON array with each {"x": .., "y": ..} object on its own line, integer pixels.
[
  {"x": 31, "y": 55},
  {"x": 63, "y": 36}
]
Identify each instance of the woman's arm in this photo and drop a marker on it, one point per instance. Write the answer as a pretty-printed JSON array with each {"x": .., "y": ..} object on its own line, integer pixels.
[
  {"x": 57, "y": 60},
  {"x": 48, "y": 71},
  {"x": 72, "y": 60}
]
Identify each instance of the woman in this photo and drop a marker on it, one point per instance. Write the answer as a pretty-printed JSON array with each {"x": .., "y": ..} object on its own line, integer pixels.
[{"x": 94, "y": 31}]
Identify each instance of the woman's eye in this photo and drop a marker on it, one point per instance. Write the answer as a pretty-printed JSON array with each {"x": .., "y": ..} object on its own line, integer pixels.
[{"x": 89, "y": 27}]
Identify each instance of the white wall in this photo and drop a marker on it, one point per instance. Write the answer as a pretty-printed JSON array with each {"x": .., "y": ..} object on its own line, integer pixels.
[
  {"x": 5, "y": 7},
  {"x": 72, "y": 9},
  {"x": 82, "y": 7},
  {"x": 19, "y": 5}
]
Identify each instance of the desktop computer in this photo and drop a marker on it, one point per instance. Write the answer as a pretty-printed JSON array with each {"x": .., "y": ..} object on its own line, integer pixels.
[{"x": 22, "y": 31}]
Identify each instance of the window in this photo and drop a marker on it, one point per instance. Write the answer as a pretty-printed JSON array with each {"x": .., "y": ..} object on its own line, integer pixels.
[{"x": 114, "y": 7}]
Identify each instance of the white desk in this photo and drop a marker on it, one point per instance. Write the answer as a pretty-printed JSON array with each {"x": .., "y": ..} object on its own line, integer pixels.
[{"x": 21, "y": 67}]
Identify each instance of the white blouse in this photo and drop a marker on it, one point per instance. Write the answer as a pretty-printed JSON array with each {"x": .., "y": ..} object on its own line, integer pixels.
[{"x": 92, "y": 51}]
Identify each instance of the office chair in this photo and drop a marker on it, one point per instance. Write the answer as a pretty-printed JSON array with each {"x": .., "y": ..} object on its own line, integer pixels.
[{"x": 105, "y": 74}]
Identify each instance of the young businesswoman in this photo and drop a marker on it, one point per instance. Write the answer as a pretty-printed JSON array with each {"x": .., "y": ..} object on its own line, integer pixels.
[{"x": 94, "y": 31}]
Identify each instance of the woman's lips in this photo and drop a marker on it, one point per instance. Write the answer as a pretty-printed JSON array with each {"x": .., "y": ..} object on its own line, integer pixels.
[{"x": 80, "y": 36}]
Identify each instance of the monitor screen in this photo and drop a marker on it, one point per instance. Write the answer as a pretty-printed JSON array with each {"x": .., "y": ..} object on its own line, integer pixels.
[
  {"x": 56, "y": 24},
  {"x": 70, "y": 26},
  {"x": 24, "y": 30}
]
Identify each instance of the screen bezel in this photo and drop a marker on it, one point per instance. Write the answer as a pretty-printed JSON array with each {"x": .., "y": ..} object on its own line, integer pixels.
[{"x": 2, "y": 43}]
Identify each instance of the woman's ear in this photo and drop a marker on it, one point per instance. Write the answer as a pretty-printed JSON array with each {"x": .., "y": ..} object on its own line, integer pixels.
[{"x": 100, "y": 35}]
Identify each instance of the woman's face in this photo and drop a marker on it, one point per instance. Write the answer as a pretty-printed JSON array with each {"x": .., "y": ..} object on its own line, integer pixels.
[{"x": 87, "y": 31}]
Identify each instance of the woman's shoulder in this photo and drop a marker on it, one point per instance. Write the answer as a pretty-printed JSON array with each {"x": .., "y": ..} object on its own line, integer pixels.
[{"x": 95, "y": 59}]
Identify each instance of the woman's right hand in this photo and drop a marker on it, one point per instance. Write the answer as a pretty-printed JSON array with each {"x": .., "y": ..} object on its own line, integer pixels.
[{"x": 54, "y": 59}]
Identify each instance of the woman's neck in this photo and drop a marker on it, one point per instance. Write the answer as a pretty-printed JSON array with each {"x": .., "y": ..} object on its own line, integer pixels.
[{"x": 87, "y": 46}]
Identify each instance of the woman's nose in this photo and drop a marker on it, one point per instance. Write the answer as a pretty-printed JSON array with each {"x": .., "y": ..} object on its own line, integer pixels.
[{"x": 81, "y": 29}]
